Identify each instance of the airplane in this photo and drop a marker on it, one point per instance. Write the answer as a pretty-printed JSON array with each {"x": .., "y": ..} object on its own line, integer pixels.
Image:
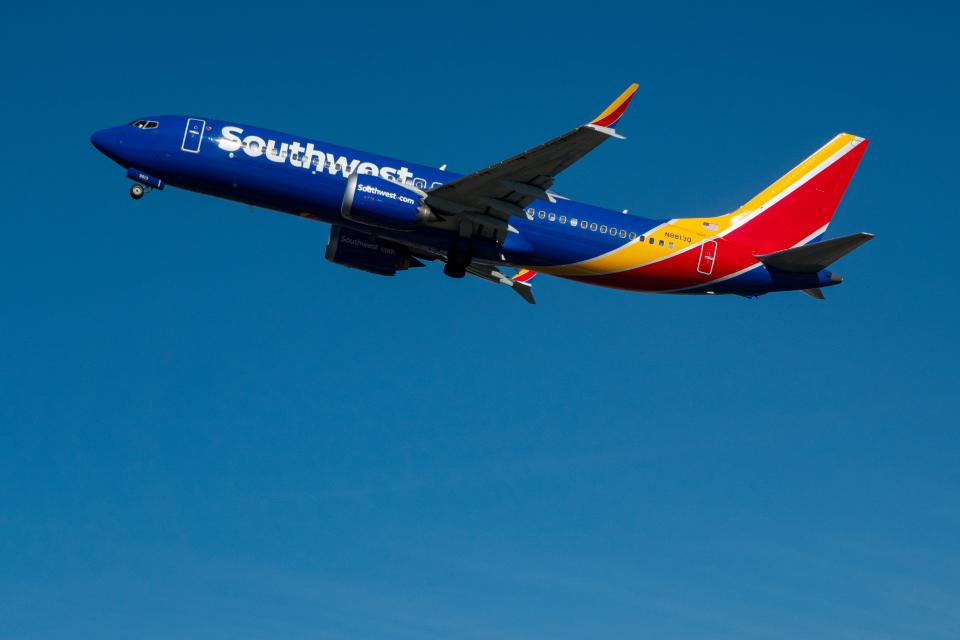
[{"x": 389, "y": 215}]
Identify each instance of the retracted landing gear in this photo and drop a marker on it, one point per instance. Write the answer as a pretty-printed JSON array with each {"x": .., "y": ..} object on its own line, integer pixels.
[
  {"x": 458, "y": 259},
  {"x": 137, "y": 190}
]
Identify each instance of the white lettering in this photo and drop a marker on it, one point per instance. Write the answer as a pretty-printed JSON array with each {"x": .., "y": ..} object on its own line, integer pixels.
[
  {"x": 230, "y": 141},
  {"x": 276, "y": 156},
  {"x": 309, "y": 157},
  {"x": 341, "y": 165},
  {"x": 253, "y": 146}
]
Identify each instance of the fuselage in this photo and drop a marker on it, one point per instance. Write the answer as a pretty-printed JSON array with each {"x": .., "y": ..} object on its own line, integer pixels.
[{"x": 575, "y": 240}]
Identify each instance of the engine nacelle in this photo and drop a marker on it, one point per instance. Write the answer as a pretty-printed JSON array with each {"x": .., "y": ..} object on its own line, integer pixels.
[
  {"x": 373, "y": 201},
  {"x": 368, "y": 252}
]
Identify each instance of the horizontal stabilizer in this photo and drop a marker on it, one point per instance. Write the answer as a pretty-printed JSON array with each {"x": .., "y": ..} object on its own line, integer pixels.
[{"x": 815, "y": 257}]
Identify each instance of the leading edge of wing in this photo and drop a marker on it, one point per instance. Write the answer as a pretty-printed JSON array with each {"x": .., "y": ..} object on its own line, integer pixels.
[{"x": 502, "y": 187}]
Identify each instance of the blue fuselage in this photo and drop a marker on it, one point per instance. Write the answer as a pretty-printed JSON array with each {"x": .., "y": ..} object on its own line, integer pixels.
[
  {"x": 294, "y": 175},
  {"x": 308, "y": 178}
]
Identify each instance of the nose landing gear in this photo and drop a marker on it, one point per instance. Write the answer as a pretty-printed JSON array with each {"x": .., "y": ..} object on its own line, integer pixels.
[{"x": 141, "y": 182}]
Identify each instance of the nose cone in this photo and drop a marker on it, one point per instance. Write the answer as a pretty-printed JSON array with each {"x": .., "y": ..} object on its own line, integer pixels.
[
  {"x": 99, "y": 140},
  {"x": 107, "y": 142}
]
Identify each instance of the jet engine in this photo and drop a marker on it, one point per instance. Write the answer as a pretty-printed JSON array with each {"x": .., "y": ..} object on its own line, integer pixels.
[
  {"x": 377, "y": 202},
  {"x": 368, "y": 252}
]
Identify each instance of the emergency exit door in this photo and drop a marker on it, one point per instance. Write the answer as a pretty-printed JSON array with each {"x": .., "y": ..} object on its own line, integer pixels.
[
  {"x": 708, "y": 255},
  {"x": 193, "y": 135}
]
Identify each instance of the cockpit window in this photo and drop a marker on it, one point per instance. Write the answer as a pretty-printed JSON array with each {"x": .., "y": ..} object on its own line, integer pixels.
[{"x": 145, "y": 124}]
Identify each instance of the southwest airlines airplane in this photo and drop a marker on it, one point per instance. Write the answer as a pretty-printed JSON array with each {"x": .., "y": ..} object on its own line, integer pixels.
[{"x": 388, "y": 215}]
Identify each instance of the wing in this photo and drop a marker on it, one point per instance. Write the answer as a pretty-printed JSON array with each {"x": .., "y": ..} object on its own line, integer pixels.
[
  {"x": 503, "y": 189},
  {"x": 488, "y": 271},
  {"x": 519, "y": 283}
]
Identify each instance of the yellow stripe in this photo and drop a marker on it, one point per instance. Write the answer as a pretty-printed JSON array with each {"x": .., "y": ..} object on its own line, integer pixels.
[{"x": 616, "y": 103}]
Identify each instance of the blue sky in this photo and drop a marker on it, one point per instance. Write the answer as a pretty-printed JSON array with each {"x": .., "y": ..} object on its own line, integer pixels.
[{"x": 209, "y": 431}]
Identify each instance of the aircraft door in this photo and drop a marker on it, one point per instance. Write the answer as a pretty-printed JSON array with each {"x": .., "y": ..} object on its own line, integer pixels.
[
  {"x": 193, "y": 135},
  {"x": 708, "y": 255}
]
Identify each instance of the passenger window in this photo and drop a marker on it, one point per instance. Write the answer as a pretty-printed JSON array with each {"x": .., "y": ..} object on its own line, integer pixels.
[
  {"x": 632, "y": 235},
  {"x": 652, "y": 240},
  {"x": 641, "y": 238},
  {"x": 593, "y": 226},
  {"x": 530, "y": 214},
  {"x": 573, "y": 222},
  {"x": 623, "y": 233},
  {"x": 583, "y": 224},
  {"x": 603, "y": 228},
  {"x": 661, "y": 243},
  {"x": 542, "y": 215},
  {"x": 563, "y": 219},
  {"x": 613, "y": 231},
  {"x": 670, "y": 246},
  {"x": 552, "y": 217}
]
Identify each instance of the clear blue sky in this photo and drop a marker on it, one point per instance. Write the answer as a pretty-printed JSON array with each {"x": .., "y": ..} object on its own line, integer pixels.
[{"x": 210, "y": 432}]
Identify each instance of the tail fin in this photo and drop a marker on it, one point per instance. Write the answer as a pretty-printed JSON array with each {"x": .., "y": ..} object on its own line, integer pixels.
[{"x": 798, "y": 207}]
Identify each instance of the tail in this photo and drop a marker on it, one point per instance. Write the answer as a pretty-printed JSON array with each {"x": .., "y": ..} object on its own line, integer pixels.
[{"x": 797, "y": 208}]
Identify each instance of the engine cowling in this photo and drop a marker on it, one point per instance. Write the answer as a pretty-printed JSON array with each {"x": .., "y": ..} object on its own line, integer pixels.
[
  {"x": 368, "y": 252},
  {"x": 377, "y": 202}
]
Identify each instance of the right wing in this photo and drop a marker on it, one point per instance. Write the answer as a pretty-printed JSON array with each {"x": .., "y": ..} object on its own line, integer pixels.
[{"x": 503, "y": 189}]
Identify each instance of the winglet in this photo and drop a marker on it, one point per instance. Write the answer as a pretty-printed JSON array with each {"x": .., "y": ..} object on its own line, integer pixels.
[
  {"x": 521, "y": 284},
  {"x": 524, "y": 275},
  {"x": 612, "y": 114}
]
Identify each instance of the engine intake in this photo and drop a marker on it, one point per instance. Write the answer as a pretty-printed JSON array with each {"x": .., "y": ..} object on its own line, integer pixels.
[{"x": 377, "y": 202}]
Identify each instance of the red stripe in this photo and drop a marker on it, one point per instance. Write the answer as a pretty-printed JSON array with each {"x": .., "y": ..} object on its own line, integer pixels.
[{"x": 613, "y": 117}]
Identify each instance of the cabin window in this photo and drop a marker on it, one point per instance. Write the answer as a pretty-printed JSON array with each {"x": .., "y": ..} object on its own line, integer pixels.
[
  {"x": 530, "y": 214},
  {"x": 552, "y": 217},
  {"x": 623, "y": 233},
  {"x": 573, "y": 222},
  {"x": 652, "y": 240},
  {"x": 583, "y": 224},
  {"x": 613, "y": 231},
  {"x": 563, "y": 219},
  {"x": 593, "y": 226},
  {"x": 670, "y": 245},
  {"x": 661, "y": 243},
  {"x": 632, "y": 235},
  {"x": 642, "y": 239},
  {"x": 542, "y": 215},
  {"x": 603, "y": 228}
]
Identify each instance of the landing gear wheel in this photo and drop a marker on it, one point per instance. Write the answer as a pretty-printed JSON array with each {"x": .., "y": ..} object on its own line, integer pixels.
[{"x": 137, "y": 191}]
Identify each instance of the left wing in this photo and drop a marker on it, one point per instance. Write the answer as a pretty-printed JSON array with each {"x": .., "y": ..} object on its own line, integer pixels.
[
  {"x": 519, "y": 282},
  {"x": 503, "y": 189}
]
